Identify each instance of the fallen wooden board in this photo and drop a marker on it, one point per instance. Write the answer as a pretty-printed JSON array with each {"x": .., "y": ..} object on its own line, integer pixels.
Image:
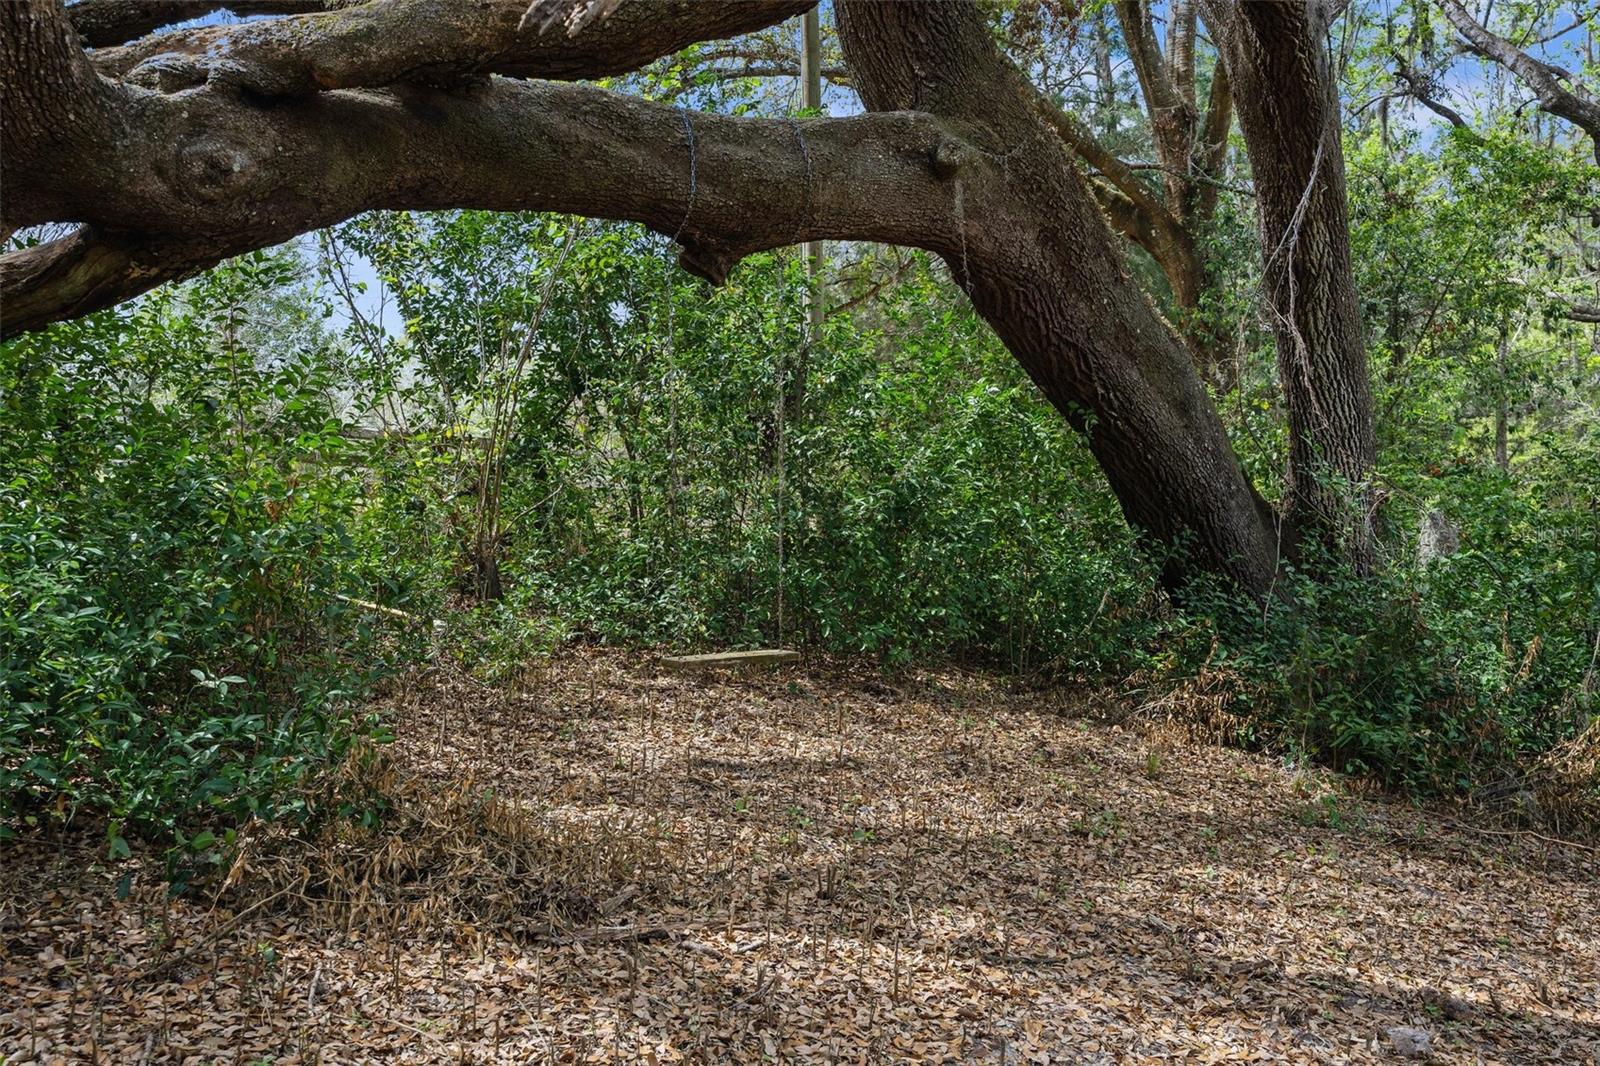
[
  {"x": 735, "y": 660},
  {"x": 437, "y": 625}
]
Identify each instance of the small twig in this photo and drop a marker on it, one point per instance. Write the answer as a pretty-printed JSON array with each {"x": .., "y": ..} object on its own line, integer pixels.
[
  {"x": 179, "y": 957},
  {"x": 1591, "y": 849}
]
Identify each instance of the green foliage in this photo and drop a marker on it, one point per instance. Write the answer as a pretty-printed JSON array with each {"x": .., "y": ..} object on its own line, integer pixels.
[
  {"x": 551, "y": 433},
  {"x": 1462, "y": 255},
  {"x": 927, "y": 500},
  {"x": 1436, "y": 676},
  {"x": 928, "y": 504},
  {"x": 174, "y": 521}
]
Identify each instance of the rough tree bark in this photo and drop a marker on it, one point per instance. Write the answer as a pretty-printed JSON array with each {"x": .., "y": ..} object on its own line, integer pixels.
[
  {"x": 226, "y": 139},
  {"x": 1190, "y": 144},
  {"x": 1278, "y": 61},
  {"x": 108, "y": 22},
  {"x": 1040, "y": 265}
]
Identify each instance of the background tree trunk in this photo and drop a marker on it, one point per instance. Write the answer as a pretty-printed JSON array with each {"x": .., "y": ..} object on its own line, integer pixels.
[
  {"x": 1288, "y": 106},
  {"x": 1190, "y": 145}
]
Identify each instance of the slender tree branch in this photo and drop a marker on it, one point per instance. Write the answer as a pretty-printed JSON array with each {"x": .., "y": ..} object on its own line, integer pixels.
[
  {"x": 1139, "y": 32},
  {"x": 1181, "y": 25},
  {"x": 1219, "y": 117},
  {"x": 902, "y": 268},
  {"x": 1199, "y": 179},
  {"x": 1419, "y": 86},
  {"x": 1571, "y": 101},
  {"x": 1117, "y": 174},
  {"x": 1211, "y": 153},
  {"x": 1169, "y": 93}
]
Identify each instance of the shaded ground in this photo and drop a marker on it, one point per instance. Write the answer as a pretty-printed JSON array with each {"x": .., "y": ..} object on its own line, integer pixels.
[{"x": 816, "y": 867}]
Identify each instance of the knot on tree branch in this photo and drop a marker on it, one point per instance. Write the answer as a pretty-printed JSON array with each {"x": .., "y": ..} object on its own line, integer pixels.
[
  {"x": 706, "y": 260},
  {"x": 176, "y": 72},
  {"x": 169, "y": 72},
  {"x": 951, "y": 155},
  {"x": 208, "y": 167}
]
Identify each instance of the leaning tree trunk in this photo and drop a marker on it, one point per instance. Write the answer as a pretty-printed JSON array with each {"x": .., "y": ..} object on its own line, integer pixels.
[
  {"x": 1034, "y": 253},
  {"x": 1284, "y": 91}
]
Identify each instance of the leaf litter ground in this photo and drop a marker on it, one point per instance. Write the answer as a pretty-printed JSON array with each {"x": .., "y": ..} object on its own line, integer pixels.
[{"x": 600, "y": 863}]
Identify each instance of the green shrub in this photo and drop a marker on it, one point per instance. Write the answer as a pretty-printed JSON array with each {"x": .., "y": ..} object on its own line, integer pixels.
[
  {"x": 1442, "y": 676},
  {"x": 175, "y": 520}
]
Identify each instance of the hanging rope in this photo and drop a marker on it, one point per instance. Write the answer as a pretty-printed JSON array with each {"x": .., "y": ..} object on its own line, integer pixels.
[
  {"x": 803, "y": 217},
  {"x": 780, "y": 400},
  {"x": 688, "y": 205},
  {"x": 666, "y": 287},
  {"x": 961, "y": 232}
]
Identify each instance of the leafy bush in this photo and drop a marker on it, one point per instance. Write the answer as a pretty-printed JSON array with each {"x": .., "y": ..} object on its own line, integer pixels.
[
  {"x": 927, "y": 501},
  {"x": 563, "y": 437},
  {"x": 175, "y": 520},
  {"x": 1438, "y": 676}
]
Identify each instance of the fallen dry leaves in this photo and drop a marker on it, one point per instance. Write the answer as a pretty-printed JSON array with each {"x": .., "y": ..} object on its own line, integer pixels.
[{"x": 817, "y": 866}]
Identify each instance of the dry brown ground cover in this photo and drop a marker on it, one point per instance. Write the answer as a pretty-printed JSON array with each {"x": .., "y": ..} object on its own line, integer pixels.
[{"x": 602, "y": 864}]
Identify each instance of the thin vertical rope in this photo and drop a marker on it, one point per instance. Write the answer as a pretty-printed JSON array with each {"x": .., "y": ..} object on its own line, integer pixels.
[
  {"x": 672, "y": 357},
  {"x": 780, "y": 401},
  {"x": 961, "y": 231}
]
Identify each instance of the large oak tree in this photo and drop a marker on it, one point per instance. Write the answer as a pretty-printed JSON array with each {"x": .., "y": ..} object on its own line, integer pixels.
[{"x": 174, "y": 151}]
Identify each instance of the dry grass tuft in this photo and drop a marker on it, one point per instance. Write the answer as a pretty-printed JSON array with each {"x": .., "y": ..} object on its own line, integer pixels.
[
  {"x": 450, "y": 854},
  {"x": 1208, "y": 708},
  {"x": 1566, "y": 783}
]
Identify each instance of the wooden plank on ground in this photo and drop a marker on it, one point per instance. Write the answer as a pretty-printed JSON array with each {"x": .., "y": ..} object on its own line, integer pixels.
[
  {"x": 436, "y": 624},
  {"x": 731, "y": 660}
]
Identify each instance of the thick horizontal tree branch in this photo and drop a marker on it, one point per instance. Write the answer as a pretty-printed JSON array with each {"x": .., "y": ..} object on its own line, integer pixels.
[
  {"x": 243, "y": 137},
  {"x": 110, "y": 22},
  {"x": 574, "y": 15},
  {"x": 440, "y": 42},
  {"x": 85, "y": 271},
  {"x": 214, "y": 175}
]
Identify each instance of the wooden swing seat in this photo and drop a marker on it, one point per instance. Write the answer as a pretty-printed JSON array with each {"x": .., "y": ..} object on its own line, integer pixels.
[{"x": 730, "y": 660}]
